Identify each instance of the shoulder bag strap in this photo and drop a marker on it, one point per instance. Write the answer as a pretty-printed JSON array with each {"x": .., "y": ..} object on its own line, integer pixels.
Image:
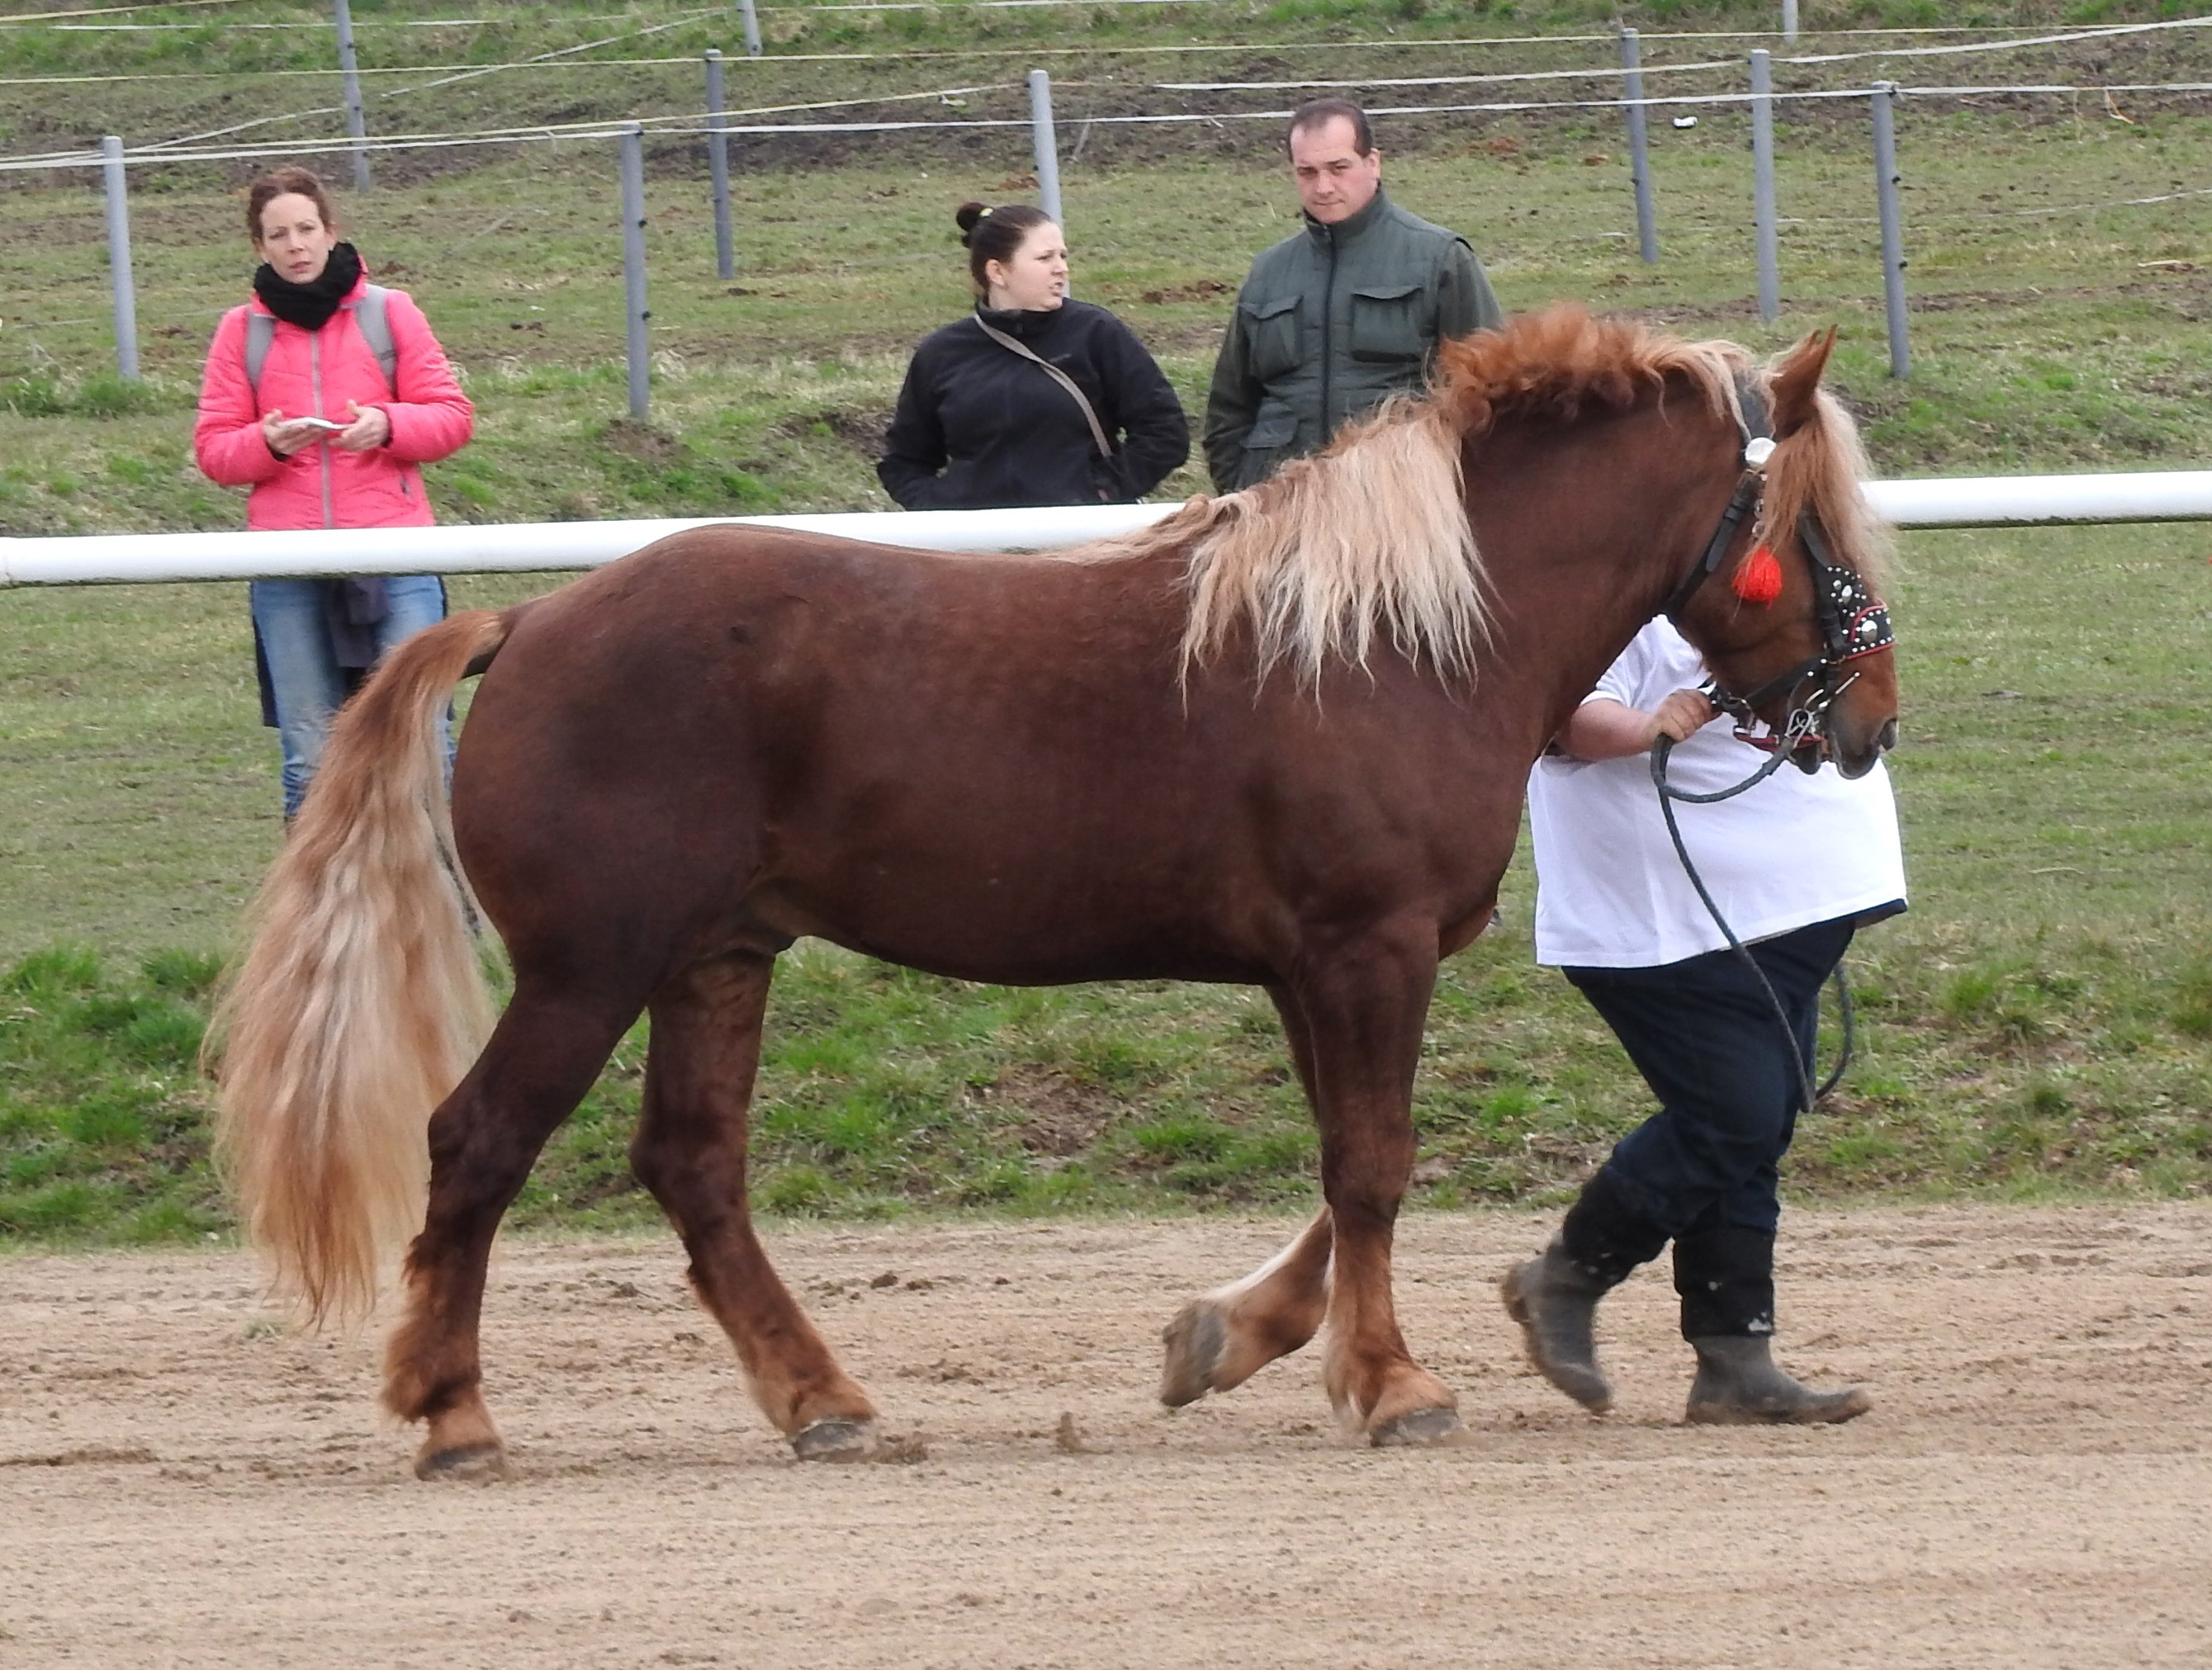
[{"x": 1012, "y": 346}]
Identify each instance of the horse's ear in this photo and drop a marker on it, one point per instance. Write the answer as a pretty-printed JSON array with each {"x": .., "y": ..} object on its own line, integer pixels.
[{"x": 1797, "y": 380}]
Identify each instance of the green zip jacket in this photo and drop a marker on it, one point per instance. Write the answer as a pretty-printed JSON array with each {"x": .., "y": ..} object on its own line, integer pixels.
[{"x": 1331, "y": 322}]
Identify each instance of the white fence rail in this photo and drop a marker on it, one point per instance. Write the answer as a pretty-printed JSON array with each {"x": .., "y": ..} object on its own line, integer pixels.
[{"x": 2182, "y": 495}]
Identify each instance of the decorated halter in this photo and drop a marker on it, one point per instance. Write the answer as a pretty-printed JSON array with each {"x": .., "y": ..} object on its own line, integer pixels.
[{"x": 1853, "y": 621}]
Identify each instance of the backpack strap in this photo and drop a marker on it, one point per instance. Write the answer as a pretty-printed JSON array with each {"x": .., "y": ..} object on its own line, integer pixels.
[
  {"x": 260, "y": 332},
  {"x": 372, "y": 313}
]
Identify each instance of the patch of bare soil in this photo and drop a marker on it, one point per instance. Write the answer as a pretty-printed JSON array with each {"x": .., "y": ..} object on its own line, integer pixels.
[
  {"x": 182, "y": 1484},
  {"x": 1059, "y": 1115},
  {"x": 636, "y": 438},
  {"x": 1199, "y": 289},
  {"x": 860, "y": 427}
]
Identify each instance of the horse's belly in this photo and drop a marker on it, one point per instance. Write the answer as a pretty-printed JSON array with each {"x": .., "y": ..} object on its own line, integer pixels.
[{"x": 986, "y": 926}]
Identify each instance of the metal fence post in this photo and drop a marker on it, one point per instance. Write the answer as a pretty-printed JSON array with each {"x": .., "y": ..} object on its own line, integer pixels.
[
  {"x": 633, "y": 218},
  {"x": 1893, "y": 229},
  {"x": 752, "y": 22},
  {"x": 1639, "y": 150},
  {"x": 118, "y": 256},
  {"x": 1764, "y": 224},
  {"x": 718, "y": 166},
  {"x": 1047, "y": 144},
  {"x": 356, "y": 124},
  {"x": 1790, "y": 20}
]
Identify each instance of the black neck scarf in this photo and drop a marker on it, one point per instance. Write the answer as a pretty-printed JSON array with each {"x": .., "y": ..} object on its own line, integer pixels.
[{"x": 309, "y": 306}]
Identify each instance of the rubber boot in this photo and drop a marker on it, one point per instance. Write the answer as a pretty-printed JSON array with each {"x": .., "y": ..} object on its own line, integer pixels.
[
  {"x": 1739, "y": 1384},
  {"x": 1554, "y": 1297},
  {"x": 1725, "y": 1276}
]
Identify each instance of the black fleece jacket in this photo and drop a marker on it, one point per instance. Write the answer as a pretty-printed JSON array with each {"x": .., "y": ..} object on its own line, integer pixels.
[{"x": 979, "y": 427}]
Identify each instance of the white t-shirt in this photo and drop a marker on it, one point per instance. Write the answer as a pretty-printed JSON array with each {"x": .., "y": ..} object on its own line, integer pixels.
[{"x": 1794, "y": 850}]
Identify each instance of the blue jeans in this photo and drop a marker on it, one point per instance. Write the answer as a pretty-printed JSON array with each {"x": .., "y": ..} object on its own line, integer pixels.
[
  {"x": 304, "y": 674},
  {"x": 1705, "y": 1040}
]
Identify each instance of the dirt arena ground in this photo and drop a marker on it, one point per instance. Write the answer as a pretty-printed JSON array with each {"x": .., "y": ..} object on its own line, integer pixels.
[{"x": 184, "y": 1484}]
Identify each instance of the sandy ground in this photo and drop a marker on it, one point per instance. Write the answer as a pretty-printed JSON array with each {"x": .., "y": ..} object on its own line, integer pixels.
[{"x": 182, "y": 1483}]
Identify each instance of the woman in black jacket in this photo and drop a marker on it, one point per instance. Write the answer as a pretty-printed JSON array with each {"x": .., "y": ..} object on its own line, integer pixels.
[{"x": 981, "y": 424}]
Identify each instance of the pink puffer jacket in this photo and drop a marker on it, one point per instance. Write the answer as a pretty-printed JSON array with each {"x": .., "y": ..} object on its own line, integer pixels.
[{"x": 313, "y": 373}]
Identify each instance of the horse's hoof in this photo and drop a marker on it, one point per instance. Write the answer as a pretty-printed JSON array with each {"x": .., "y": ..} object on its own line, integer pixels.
[
  {"x": 479, "y": 1463},
  {"x": 1419, "y": 1427},
  {"x": 835, "y": 1439},
  {"x": 1194, "y": 1342}
]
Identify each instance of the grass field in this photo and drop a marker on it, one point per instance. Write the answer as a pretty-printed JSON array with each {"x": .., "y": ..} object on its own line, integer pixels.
[{"x": 2042, "y": 1020}]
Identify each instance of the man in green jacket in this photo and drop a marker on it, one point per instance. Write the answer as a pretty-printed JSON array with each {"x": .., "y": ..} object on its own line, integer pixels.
[{"x": 1345, "y": 312}]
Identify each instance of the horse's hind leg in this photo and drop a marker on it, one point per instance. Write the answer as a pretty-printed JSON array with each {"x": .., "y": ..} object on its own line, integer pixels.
[
  {"x": 544, "y": 1055},
  {"x": 691, "y": 1152},
  {"x": 1222, "y": 1338}
]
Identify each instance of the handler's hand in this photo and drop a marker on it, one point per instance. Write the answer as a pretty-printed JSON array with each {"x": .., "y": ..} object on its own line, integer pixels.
[
  {"x": 285, "y": 435},
  {"x": 371, "y": 427},
  {"x": 1682, "y": 714}
]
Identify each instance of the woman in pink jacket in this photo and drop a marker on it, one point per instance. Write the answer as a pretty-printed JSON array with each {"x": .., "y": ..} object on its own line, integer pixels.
[{"x": 325, "y": 395}]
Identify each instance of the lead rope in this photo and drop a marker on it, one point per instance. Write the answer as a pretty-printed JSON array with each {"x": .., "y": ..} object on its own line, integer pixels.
[{"x": 1667, "y": 795}]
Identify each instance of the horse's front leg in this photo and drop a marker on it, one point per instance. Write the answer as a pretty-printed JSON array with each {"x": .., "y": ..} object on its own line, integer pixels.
[
  {"x": 1223, "y": 1337},
  {"x": 1365, "y": 1004}
]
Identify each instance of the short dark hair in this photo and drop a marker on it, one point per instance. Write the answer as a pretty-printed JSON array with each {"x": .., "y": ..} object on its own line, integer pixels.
[
  {"x": 1316, "y": 114},
  {"x": 282, "y": 182},
  {"x": 994, "y": 234}
]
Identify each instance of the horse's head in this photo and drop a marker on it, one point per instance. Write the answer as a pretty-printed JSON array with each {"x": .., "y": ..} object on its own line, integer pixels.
[{"x": 1783, "y": 603}]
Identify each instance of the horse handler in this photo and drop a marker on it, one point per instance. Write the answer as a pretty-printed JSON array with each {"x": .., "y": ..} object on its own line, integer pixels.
[{"x": 1797, "y": 864}]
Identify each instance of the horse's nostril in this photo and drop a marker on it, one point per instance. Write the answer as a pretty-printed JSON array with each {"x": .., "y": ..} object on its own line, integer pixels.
[{"x": 1885, "y": 739}]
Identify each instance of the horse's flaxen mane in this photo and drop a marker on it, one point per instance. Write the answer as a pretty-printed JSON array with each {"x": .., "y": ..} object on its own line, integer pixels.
[
  {"x": 1819, "y": 469},
  {"x": 1556, "y": 363},
  {"x": 1370, "y": 536}
]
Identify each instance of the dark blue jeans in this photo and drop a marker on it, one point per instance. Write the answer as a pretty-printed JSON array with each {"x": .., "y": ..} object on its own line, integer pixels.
[{"x": 1703, "y": 1037}]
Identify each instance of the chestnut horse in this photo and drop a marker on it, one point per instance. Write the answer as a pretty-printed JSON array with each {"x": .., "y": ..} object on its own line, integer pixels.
[{"x": 1280, "y": 739}]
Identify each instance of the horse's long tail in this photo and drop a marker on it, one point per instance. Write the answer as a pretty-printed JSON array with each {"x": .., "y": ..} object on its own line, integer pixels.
[{"x": 360, "y": 1002}]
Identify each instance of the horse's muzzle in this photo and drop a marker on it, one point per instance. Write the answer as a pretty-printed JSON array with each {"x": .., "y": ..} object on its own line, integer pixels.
[{"x": 1857, "y": 763}]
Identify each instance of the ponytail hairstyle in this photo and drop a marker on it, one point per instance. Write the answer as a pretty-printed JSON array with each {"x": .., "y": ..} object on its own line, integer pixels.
[
  {"x": 287, "y": 182},
  {"x": 994, "y": 234}
]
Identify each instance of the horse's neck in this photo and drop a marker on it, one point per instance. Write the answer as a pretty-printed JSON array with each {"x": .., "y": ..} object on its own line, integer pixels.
[{"x": 1585, "y": 529}]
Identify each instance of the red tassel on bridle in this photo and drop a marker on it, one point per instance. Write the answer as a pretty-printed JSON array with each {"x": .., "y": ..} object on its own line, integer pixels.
[{"x": 1757, "y": 578}]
